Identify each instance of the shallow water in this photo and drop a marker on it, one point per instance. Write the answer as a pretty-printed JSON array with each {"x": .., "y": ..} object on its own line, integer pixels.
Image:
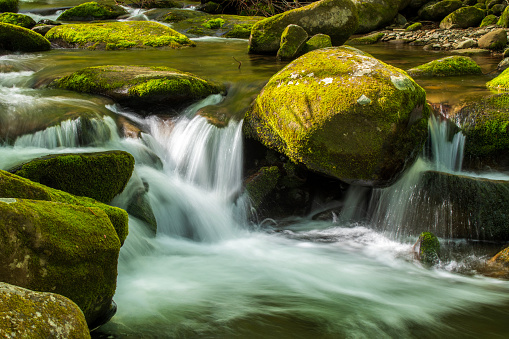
[{"x": 211, "y": 271}]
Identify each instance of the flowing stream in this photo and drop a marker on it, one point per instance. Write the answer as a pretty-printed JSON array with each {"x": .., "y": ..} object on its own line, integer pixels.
[{"x": 210, "y": 272}]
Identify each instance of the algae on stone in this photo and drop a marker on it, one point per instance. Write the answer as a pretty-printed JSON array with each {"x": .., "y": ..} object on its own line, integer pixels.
[
  {"x": 17, "y": 19},
  {"x": 89, "y": 11},
  {"x": 17, "y": 38},
  {"x": 448, "y": 66}
]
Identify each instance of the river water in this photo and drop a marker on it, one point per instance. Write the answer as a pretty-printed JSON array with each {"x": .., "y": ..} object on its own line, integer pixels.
[{"x": 213, "y": 272}]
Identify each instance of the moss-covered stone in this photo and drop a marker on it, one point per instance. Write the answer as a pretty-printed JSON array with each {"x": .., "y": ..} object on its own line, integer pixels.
[
  {"x": 9, "y": 6},
  {"x": 66, "y": 249},
  {"x": 494, "y": 40},
  {"x": 261, "y": 184},
  {"x": 504, "y": 18},
  {"x": 448, "y": 66},
  {"x": 369, "y": 39},
  {"x": 292, "y": 40},
  {"x": 13, "y": 186},
  {"x": 89, "y": 11},
  {"x": 436, "y": 11},
  {"x": 500, "y": 83},
  {"x": 489, "y": 20},
  {"x": 214, "y": 23},
  {"x": 17, "y": 38},
  {"x": 117, "y": 35},
  {"x": 429, "y": 248},
  {"x": 350, "y": 116},
  {"x": 139, "y": 86},
  {"x": 375, "y": 14},
  {"x": 178, "y": 15},
  {"x": 17, "y": 19},
  {"x": 100, "y": 176},
  {"x": 414, "y": 27},
  {"x": 463, "y": 17},
  {"x": 29, "y": 314},
  {"x": 317, "y": 41},
  {"x": 157, "y": 4},
  {"x": 242, "y": 31},
  {"x": 336, "y": 18}
]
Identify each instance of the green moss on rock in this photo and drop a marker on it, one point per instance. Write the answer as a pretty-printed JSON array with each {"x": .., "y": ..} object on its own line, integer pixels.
[
  {"x": 89, "y": 11},
  {"x": 436, "y": 11},
  {"x": 501, "y": 82},
  {"x": 429, "y": 248},
  {"x": 463, "y": 18},
  {"x": 17, "y": 38},
  {"x": 414, "y": 27},
  {"x": 117, "y": 35},
  {"x": 13, "y": 186},
  {"x": 214, "y": 23},
  {"x": 17, "y": 19},
  {"x": 367, "y": 39},
  {"x": 504, "y": 18},
  {"x": 242, "y": 31},
  {"x": 292, "y": 40},
  {"x": 317, "y": 41},
  {"x": 448, "y": 66},
  {"x": 100, "y": 176},
  {"x": 489, "y": 20},
  {"x": 351, "y": 116},
  {"x": 138, "y": 86},
  {"x": 9, "y": 6},
  {"x": 375, "y": 14},
  {"x": 157, "y": 4}
]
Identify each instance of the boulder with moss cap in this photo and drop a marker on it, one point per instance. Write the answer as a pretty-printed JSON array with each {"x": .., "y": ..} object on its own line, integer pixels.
[
  {"x": 66, "y": 249},
  {"x": 317, "y": 41},
  {"x": 141, "y": 86},
  {"x": 350, "y": 116},
  {"x": 17, "y": 38},
  {"x": 436, "y": 11},
  {"x": 9, "y": 6},
  {"x": 17, "y": 19},
  {"x": 428, "y": 248},
  {"x": 117, "y": 35},
  {"x": 100, "y": 176},
  {"x": 90, "y": 11},
  {"x": 448, "y": 66},
  {"x": 29, "y": 314},
  {"x": 375, "y": 14},
  {"x": 336, "y": 18},
  {"x": 463, "y": 17},
  {"x": 292, "y": 40}
]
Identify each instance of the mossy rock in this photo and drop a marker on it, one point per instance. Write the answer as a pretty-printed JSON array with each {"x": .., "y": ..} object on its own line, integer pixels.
[
  {"x": 503, "y": 21},
  {"x": 13, "y": 186},
  {"x": 494, "y": 40},
  {"x": 9, "y": 6},
  {"x": 66, "y": 249},
  {"x": 351, "y": 116},
  {"x": 375, "y": 14},
  {"x": 292, "y": 40},
  {"x": 17, "y": 38},
  {"x": 90, "y": 11},
  {"x": 436, "y": 11},
  {"x": 177, "y": 15},
  {"x": 489, "y": 20},
  {"x": 100, "y": 176},
  {"x": 449, "y": 66},
  {"x": 336, "y": 18},
  {"x": 501, "y": 257},
  {"x": 140, "y": 86},
  {"x": 429, "y": 248},
  {"x": 414, "y": 27},
  {"x": 117, "y": 35},
  {"x": 485, "y": 124},
  {"x": 463, "y": 17},
  {"x": 241, "y": 31},
  {"x": 369, "y": 39},
  {"x": 317, "y": 41},
  {"x": 29, "y": 314},
  {"x": 500, "y": 83},
  {"x": 17, "y": 19},
  {"x": 157, "y": 4},
  {"x": 261, "y": 184}
]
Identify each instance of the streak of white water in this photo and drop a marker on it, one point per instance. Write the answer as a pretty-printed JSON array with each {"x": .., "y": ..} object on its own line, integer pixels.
[{"x": 447, "y": 151}]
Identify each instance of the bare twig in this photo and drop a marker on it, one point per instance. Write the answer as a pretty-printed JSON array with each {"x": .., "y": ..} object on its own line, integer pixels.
[{"x": 240, "y": 63}]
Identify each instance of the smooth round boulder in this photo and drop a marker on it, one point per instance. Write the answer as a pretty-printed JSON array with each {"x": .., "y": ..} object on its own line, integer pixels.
[
  {"x": 448, "y": 66},
  {"x": 292, "y": 40},
  {"x": 17, "y": 38},
  {"x": 90, "y": 11},
  {"x": 375, "y": 14},
  {"x": 494, "y": 40},
  {"x": 436, "y": 11},
  {"x": 316, "y": 42},
  {"x": 344, "y": 114},
  {"x": 489, "y": 20},
  {"x": 336, "y": 18},
  {"x": 17, "y": 19},
  {"x": 28, "y": 314},
  {"x": 463, "y": 17}
]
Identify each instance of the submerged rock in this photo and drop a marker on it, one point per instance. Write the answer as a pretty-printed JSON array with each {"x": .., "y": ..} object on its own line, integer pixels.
[
  {"x": 17, "y": 38},
  {"x": 344, "y": 114},
  {"x": 143, "y": 87},
  {"x": 66, "y": 249},
  {"x": 100, "y": 176},
  {"x": 336, "y": 18},
  {"x": 29, "y": 314},
  {"x": 463, "y": 17},
  {"x": 17, "y": 19},
  {"x": 448, "y": 66},
  {"x": 117, "y": 35},
  {"x": 13, "y": 186},
  {"x": 90, "y": 11}
]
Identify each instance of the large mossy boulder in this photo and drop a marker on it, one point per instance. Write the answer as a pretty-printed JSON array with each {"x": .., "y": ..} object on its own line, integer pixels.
[
  {"x": 369, "y": 39},
  {"x": 13, "y": 186},
  {"x": 20, "y": 39},
  {"x": 344, "y": 114},
  {"x": 28, "y": 314},
  {"x": 436, "y": 11},
  {"x": 463, "y": 17},
  {"x": 336, "y": 18},
  {"x": 100, "y": 176},
  {"x": 375, "y": 14},
  {"x": 503, "y": 21},
  {"x": 9, "y": 6},
  {"x": 65, "y": 249},
  {"x": 500, "y": 82},
  {"x": 317, "y": 41},
  {"x": 292, "y": 41},
  {"x": 117, "y": 35},
  {"x": 90, "y": 11},
  {"x": 17, "y": 19},
  {"x": 448, "y": 66},
  {"x": 140, "y": 86},
  {"x": 485, "y": 123}
]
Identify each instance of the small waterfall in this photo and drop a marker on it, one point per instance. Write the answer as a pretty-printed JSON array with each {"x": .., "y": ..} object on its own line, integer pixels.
[{"x": 446, "y": 152}]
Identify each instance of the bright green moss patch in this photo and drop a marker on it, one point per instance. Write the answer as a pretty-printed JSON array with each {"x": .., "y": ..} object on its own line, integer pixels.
[
  {"x": 9, "y": 6},
  {"x": 241, "y": 31},
  {"x": 100, "y": 176},
  {"x": 367, "y": 39},
  {"x": 17, "y": 19},
  {"x": 414, "y": 27},
  {"x": 92, "y": 11},
  {"x": 429, "y": 248},
  {"x": 448, "y": 66},
  {"x": 214, "y": 23},
  {"x": 117, "y": 35},
  {"x": 317, "y": 41},
  {"x": 489, "y": 20},
  {"x": 501, "y": 82},
  {"x": 17, "y": 38}
]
